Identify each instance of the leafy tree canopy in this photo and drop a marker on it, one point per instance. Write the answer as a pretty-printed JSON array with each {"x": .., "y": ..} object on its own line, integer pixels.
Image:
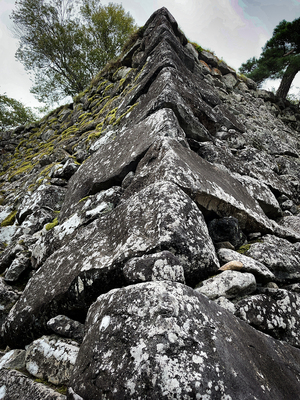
[
  {"x": 64, "y": 43},
  {"x": 13, "y": 113},
  {"x": 280, "y": 57}
]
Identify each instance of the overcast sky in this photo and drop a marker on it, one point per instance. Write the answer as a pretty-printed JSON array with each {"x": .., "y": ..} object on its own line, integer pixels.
[{"x": 234, "y": 29}]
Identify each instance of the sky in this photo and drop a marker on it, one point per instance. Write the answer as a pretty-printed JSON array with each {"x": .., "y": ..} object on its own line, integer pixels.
[{"x": 234, "y": 29}]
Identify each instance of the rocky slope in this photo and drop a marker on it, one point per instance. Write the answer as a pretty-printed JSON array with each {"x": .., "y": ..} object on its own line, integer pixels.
[{"x": 150, "y": 235}]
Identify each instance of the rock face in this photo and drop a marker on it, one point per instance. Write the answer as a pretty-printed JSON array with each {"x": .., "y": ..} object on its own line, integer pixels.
[
  {"x": 15, "y": 385},
  {"x": 51, "y": 358},
  {"x": 115, "y": 223},
  {"x": 229, "y": 284},
  {"x": 166, "y": 336}
]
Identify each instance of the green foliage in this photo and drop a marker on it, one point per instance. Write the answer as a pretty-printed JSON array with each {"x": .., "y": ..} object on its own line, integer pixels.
[
  {"x": 107, "y": 29},
  {"x": 197, "y": 47},
  {"x": 249, "y": 66},
  {"x": 280, "y": 57},
  {"x": 13, "y": 113},
  {"x": 63, "y": 44}
]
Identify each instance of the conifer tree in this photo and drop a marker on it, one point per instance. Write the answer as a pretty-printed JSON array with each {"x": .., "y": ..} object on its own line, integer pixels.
[{"x": 280, "y": 58}]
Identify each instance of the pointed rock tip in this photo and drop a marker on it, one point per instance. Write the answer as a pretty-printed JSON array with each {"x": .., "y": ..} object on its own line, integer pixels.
[{"x": 164, "y": 12}]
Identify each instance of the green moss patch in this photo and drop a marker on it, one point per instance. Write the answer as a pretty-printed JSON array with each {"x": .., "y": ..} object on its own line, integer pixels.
[
  {"x": 243, "y": 249},
  {"x": 51, "y": 224},
  {"x": 26, "y": 167},
  {"x": 10, "y": 219}
]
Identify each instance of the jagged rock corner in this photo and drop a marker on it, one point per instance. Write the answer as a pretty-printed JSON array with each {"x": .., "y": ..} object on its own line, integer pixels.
[{"x": 118, "y": 213}]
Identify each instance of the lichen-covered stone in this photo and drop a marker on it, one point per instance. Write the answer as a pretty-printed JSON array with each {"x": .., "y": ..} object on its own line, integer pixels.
[
  {"x": 51, "y": 358},
  {"x": 164, "y": 340},
  {"x": 230, "y": 81},
  {"x": 16, "y": 386},
  {"x": 44, "y": 197},
  {"x": 8, "y": 297},
  {"x": 279, "y": 255},
  {"x": 112, "y": 162},
  {"x": 262, "y": 194},
  {"x": 291, "y": 223},
  {"x": 255, "y": 267},
  {"x": 35, "y": 221},
  {"x": 223, "y": 302},
  {"x": 64, "y": 326},
  {"x": 229, "y": 284},
  {"x": 17, "y": 267},
  {"x": 154, "y": 267},
  {"x": 247, "y": 161},
  {"x": 85, "y": 211},
  {"x": 159, "y": 217},
  {"x": 9, "y": 254},
  {"x": 212, "y": 188},
  {"x": 275, "y": 312},
  {"x": 66, "y": 170},
  {"x": 14, "y": 359}
]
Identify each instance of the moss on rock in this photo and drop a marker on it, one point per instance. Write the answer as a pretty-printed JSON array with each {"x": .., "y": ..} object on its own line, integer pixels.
[
  {"x": 10, "y": 219},
  {"x": 51, "y": 224}
]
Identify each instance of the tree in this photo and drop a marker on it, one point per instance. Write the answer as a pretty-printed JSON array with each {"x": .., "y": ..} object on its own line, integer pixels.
[
  {"x": 13, "y": 113},
  {"x": 280, "y": 58},
  {"x": 64, "y": 43}
]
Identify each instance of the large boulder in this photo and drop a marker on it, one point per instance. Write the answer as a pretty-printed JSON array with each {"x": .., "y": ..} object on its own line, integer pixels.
[
  {"x": 275, "y": 312},
  {"x": 229, "y": 284},
  {"x": 255, "y": 267},
  {"x": 164, "y": 340},
  {"x": 51, "y": 358},
  {"x": 87, "y": 210},
  {"x": 262, "y": 194},
  {"x": 120, "y": 155},
  {"x": 251, "y": 162},
  {"x": 213, "y": 189},
  {"x": 15, "y": 385},
  {"x": 160, "y": 217},
  {"x": 45, "y": 197},
  {"x": 279, "y": 255},
  {"x": 291, "y": 222}
]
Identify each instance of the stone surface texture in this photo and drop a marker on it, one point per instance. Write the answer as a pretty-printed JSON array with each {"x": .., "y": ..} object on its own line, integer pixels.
[
  {"x": 17, "y": 386},
  {"x": 229, "y": 284},
  {"x": 175, "y": 334},
  {"x": 51, "y": 358},
  {"x": 275, "y": 312},
  {"x": 117, "y": 211}
]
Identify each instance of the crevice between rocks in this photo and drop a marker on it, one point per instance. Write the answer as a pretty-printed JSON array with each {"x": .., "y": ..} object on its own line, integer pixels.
[
  {"x": 144, "y": 87},
  {"x": 117, "y": 179}
]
